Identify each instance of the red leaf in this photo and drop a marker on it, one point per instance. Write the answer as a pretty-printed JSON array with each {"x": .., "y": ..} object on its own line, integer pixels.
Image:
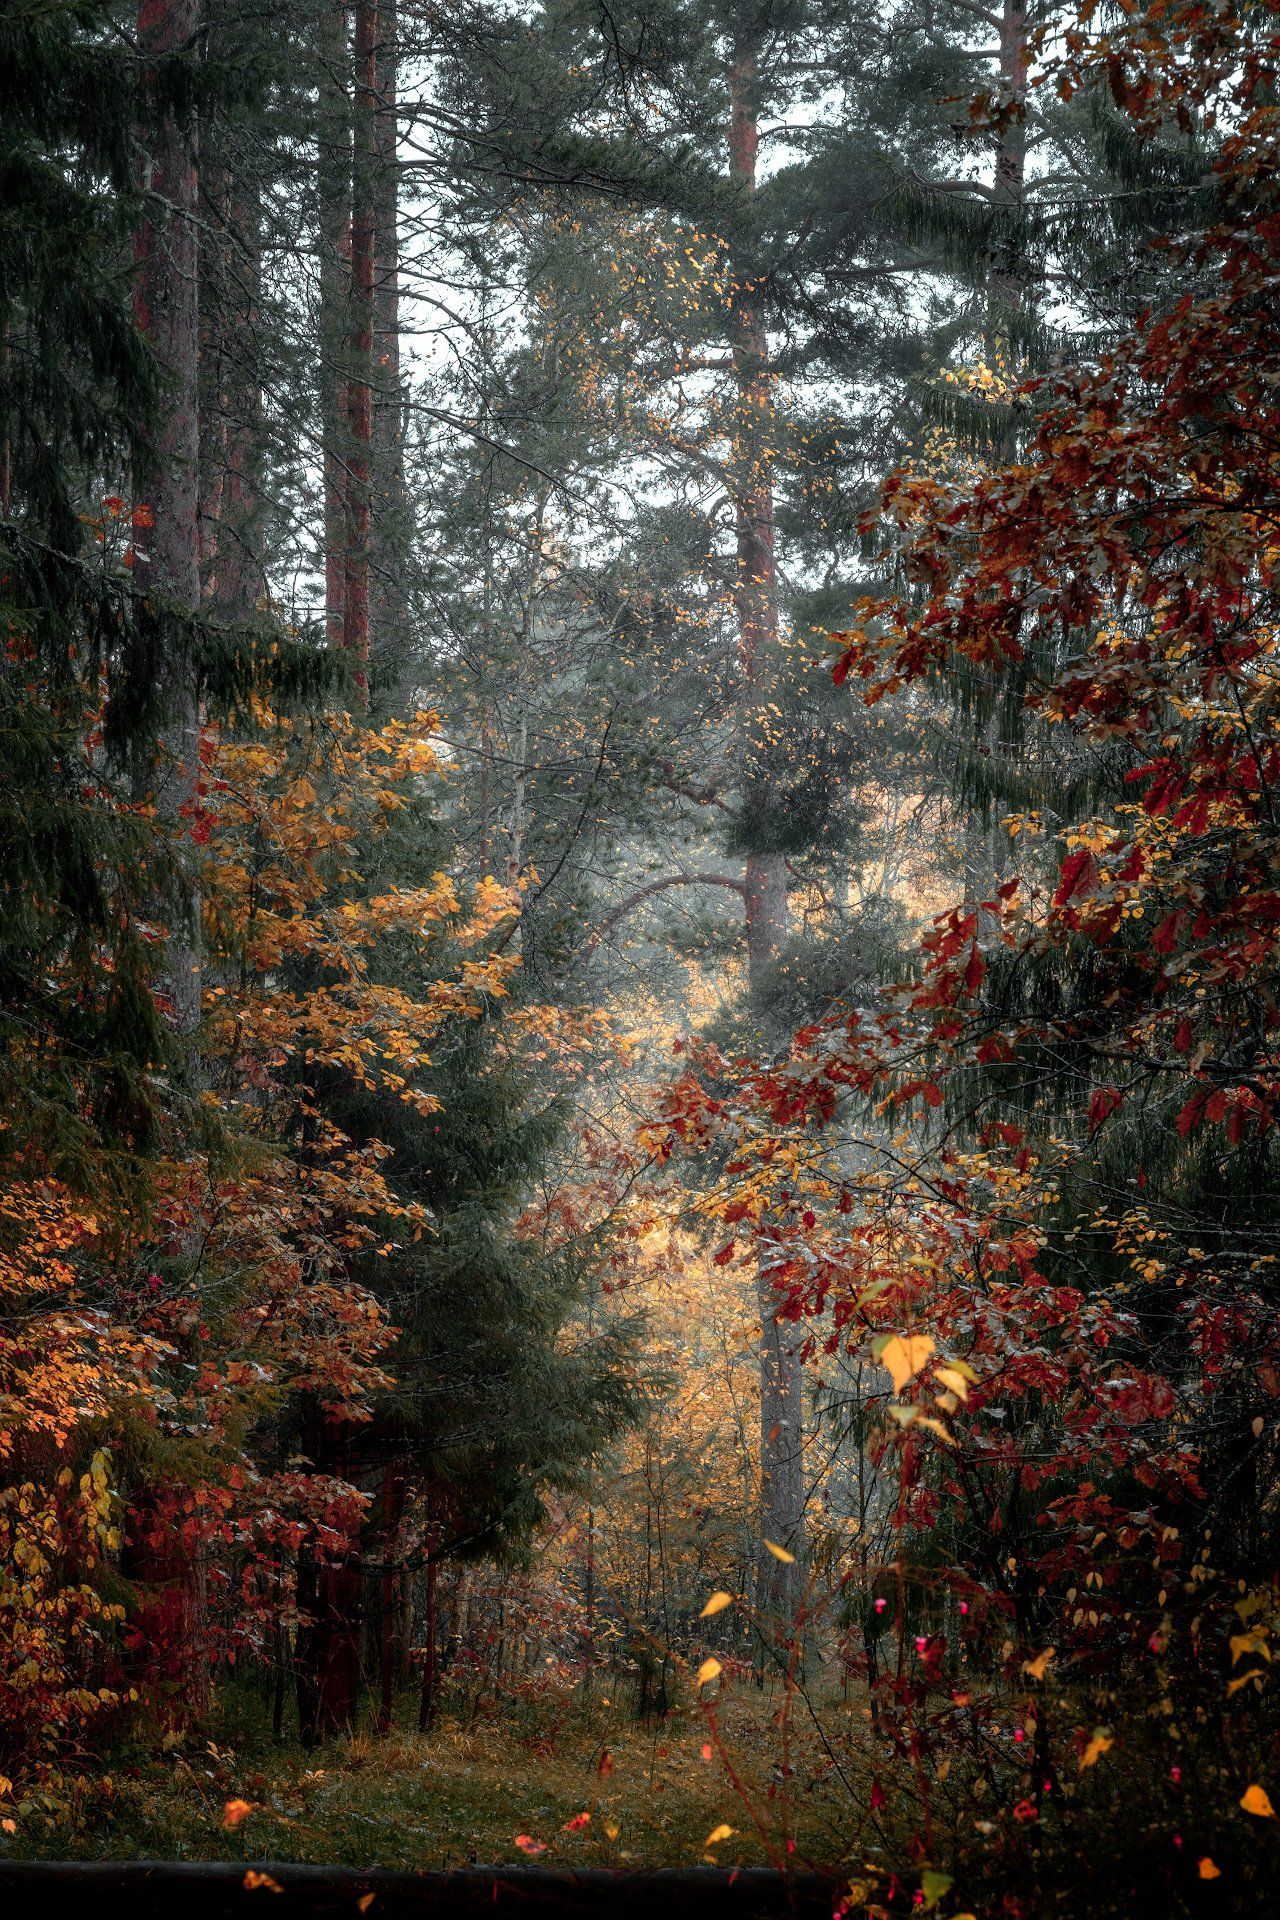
[{"x": 1078, "y": 875}]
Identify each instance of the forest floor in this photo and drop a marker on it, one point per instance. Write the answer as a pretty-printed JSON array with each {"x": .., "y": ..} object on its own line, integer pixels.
[{"x": 514, "y": 1786}]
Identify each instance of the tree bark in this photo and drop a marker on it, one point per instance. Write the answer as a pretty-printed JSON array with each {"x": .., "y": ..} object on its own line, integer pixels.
[
  {"x": 389, "y": 531},
  {"x": 986, "y": 843},
  {"x": 779, "y": 1584},
  {"x": 167, "y": 564},
  {"x": 327, "y": 1655},
  {"x": 355, "y": 604},
  {"x": 430, "y": 1665},
  {"x": 393, "y": 1501},
  {"x": 333, "y": 193},
  {"x": 231, "y": 423}
]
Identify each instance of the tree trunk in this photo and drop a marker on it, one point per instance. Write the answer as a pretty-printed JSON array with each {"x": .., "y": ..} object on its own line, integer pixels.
[
  {"x": 393, "y": 1500},
  {"x": 986, "y": 843},
  {"x": 1006, "y": 271},
  {"x": 430, "y": 1664},
  {"x": 231, "y": 400},
  {"x": 389, "y": 531},
  {"x": 327, "y": 1655},
  {"x": 333, "y": 193},
  {"x": 355, "y": 603},
  {"x": 168, "y": 1623},
  {"x": 778, "y": 1582},
  {"x": 167, "y": 567}
]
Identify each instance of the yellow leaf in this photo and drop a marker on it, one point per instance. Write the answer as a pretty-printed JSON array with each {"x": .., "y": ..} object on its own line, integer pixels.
[
  {"x": 1256, "y": 1800},
  {"x": 257, "y": 1882},
  {"x": 1208, "y": 1871},
  {"x": 235, "y": 1811},
  {"x": 953, "y": 1378},
  {"x": 365, "y": 1901},
  {"x": 612, "y": 1829},
  {"x": 1037, "y": 1666},
  {"x": 933, "y": 1884},
  {"x": 708, "y": 1671},
  {"x": 1101, "y": 1742},
  {"x": 780, "y": 1553},
  {"x": 717, "y": 1834},
  {"x": 903, "y": 1355},
  {"x": 1242, "y": 1680},
  {"x": 716, "y": 1604}
]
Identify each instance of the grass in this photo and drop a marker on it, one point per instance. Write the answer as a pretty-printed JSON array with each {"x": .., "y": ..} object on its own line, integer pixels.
[{"x": 653, "y": 1792}]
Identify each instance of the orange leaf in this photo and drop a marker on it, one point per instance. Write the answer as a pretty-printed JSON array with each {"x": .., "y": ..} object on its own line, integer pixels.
[{"x": 903, "y": 1355}]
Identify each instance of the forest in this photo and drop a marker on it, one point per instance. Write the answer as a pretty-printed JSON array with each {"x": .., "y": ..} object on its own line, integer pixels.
[{"x": 640, "y": 943}]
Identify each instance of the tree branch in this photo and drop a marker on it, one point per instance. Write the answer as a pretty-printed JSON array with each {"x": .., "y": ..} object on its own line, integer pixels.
[{"x": 641, "y": 894}]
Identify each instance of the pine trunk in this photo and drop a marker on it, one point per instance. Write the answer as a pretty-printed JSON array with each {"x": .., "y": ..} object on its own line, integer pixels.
[
  {"x": 167, "y": 567},
  {"x": 355, "y": 604},
  {"x": 986, "y": 844},
  {"x": 231, "y": 426},
  {"x": 390, "y": 508},
  {"x": 778, "y": 1582},
  {"x": 333, "y": 192}
]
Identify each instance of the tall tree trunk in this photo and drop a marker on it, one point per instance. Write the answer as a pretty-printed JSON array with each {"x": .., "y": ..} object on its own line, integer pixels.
[
  {"x": 1006, "y": 272},
  {"x": 355, "y": 604},
  {"x": 389, "y": 532},
  {"x": 778, "y": 1582},
  {"x": 333, "y": 194},
  {"x": 231, "y": 424},
  {"x": 986, "y": 844},
  {"x": 167, "y": 569},
  {"x": 168, "y": 1623},
  {"x": 330, "y": 1599},
  {"x": 393, "y": 1500},
  {"x": 430, "y": 1663}
]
